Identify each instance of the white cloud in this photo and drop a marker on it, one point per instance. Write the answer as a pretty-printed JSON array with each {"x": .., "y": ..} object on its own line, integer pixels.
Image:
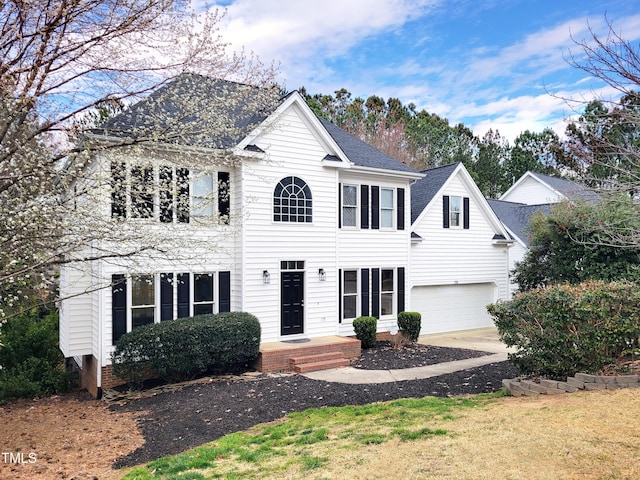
[{"x": 296, "y": 33}]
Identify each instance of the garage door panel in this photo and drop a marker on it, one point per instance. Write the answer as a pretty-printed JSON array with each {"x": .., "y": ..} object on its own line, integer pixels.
[{"x": 449, "y": 308}]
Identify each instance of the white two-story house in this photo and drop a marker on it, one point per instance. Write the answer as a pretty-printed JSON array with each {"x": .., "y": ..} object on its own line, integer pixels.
[{"x": 286, "y": 217}]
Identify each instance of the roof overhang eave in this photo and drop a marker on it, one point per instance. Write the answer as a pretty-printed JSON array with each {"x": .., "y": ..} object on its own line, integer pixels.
[{"x": 387, "y": 173}]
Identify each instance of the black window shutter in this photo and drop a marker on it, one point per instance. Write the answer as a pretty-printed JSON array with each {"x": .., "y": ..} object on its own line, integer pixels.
[
  {"x": 400, "y": 221},
  {"x": 364, "y": 285},
  {"x": 465, "y": 212},
  {"x": 223, "y": 195},
  {"x": 118, "y": 190},
  {"x": 340, "y": 280},
  {"x": 166, "y": 296},
  {"x": 182, "y": 188},
  {"x": 183, "y": 295},
  {"x": 364, "y": 206},
  {"x": 375, "y": 292},
  {"x": 375, "y": 207},
  {"x": 224, "y": 291},
  {"x": 340, "y": 211},
  {"x": 118, "y": 307},
  {"x": 445, "y": 211},
  {"x": 400, "y": 289}
]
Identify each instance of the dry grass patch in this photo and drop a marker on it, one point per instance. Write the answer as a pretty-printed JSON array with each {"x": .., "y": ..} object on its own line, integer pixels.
[{"x": 590, "y": 435}]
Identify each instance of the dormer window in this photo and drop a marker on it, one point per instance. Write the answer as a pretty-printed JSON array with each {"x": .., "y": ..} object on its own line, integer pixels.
[{"x": 292, "y": 201}]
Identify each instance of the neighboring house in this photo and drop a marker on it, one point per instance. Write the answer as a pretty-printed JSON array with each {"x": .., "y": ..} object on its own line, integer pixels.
[
  {"x": 532, "y": 193},
  {"x": 314, "y": 232},
  {"x": 538, "y": 189},
  {"x": 459, "y": 252}
]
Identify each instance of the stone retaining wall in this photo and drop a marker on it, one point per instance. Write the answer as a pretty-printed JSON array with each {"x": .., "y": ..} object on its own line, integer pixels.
[{"x": 581, "y": 381}]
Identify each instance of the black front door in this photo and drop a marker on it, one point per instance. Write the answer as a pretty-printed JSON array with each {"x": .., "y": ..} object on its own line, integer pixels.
[{"x": 292, "y": 310}]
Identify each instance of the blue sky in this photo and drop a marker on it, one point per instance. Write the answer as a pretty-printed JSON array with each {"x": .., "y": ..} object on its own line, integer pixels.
[{"x": 486, "y": 63}]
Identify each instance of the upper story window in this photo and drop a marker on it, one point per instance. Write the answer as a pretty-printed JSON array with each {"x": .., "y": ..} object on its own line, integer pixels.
[
  {"x": 349, "y": 205},
  {"x": 292, "y": 201},
  {"x": 455, "y": 212},
  {"x": 386, "y": 208},
  {"x": 167, "y": 194},
  {"x": 378, "y": 207}
]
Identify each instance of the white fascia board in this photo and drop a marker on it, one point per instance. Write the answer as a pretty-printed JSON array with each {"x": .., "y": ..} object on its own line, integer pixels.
[{"x": 387, "y": 173}]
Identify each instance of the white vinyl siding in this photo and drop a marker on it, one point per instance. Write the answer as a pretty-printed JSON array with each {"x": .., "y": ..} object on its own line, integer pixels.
[{"x": 458, "y": 256}]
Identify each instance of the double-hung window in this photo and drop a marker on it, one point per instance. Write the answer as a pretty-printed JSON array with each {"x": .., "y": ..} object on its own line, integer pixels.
[
  {"x": 202, "y": 195},
  {"x": 349, "y": 205},
  {"x": 386, "y": 291},
  {"x": 143, "y": 289},
  {"x": 455, "y": 211},
  {"x": 350, "y": 294},
  {"x": 203, "y": 293},
  {"x": 386, "y": 208}
]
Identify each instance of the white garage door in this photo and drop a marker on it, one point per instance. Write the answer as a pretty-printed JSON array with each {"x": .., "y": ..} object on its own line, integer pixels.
[{"x": 448, "y": 308}]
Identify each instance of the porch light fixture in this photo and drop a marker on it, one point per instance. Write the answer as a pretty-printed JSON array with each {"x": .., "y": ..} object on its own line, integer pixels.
[
  {"x": 266, "y": 277},
  {"x": 322, "y": 275}
]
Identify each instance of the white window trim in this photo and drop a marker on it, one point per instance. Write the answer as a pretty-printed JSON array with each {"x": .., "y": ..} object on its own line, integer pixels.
[
  {"x": 356, "y": 207},
  {"x": 192, "y": 293},
  {"x": 392, "y": 209},
  {"x": 460, "y": 212},
  {"x": 393, "y": 292},
  {"x": 357, "y": 294}
]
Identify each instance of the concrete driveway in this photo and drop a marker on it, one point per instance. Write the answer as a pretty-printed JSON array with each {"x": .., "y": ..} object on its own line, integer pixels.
[{"x": 484, "y": 339}]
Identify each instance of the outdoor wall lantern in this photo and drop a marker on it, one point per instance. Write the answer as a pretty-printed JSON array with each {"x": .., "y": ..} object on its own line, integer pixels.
[
  {"x": 322, "y": 275},
  {"x": 266, "y": 277}
]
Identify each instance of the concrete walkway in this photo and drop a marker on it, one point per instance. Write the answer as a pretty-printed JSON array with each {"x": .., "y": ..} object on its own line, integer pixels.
[{"x": 485, "y": 340}]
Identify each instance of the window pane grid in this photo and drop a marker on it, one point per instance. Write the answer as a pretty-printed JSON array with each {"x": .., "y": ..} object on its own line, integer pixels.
[
  {"x": 292, "y": 201},
  {"x": 455, "y": 211},
  {"x": 349, "y": 205}
]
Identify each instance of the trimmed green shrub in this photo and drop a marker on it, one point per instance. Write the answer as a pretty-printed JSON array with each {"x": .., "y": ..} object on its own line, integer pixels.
[
  {"x": 182, "y": 349},
  {"x": 32, "y": 365},
  {"x": 564, "y": 329},
  {"x": 365, "y": 329},
  {"x": 409, "y": 324}
]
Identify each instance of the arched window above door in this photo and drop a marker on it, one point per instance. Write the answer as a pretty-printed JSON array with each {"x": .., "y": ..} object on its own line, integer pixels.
[{"x": 292, "y": 201}]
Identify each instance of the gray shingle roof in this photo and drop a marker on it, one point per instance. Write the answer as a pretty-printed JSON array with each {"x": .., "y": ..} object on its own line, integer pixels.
[
  {"x": 572, "y": 190},
  {"x": 361, "y": 153},
  {"x": 423, "y": 191},
  {"x": 194, "y": 110},
  {"x": 517, "y": 216}
]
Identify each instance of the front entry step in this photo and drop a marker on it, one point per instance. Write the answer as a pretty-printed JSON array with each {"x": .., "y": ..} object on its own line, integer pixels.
[{"x": 322, "y": 361}]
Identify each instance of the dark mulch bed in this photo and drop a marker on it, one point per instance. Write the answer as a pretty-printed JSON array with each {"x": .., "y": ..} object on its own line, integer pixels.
[
  {"x": 190, "y": 416},
  {"x": 385, "y": 357}
]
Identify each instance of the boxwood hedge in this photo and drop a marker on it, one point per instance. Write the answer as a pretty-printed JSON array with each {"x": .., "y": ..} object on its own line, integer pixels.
[
  {"x": 564, "y": 329},
  {"x": 409, "y": 324},
  {"x": 182, "y": 349},
  {"x": 365, "y": 329}
]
